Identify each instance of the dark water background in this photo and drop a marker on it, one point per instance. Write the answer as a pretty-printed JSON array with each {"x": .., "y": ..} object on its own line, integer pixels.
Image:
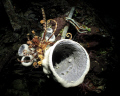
[{"x": 107, "y": 11}]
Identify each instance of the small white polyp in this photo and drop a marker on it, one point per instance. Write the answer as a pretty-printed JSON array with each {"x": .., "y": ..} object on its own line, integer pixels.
[
  {"x": 48, "y": 34},
  {"x": 67, "y": 61}
]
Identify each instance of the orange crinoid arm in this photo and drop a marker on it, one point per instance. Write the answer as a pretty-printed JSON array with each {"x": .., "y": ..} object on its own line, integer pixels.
[{"x": 55, "y": 27}]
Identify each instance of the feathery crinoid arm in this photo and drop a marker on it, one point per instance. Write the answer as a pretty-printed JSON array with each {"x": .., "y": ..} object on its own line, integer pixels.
[
  {"x": 43, "y": 22},
  {"x": 55, "y": 27}
]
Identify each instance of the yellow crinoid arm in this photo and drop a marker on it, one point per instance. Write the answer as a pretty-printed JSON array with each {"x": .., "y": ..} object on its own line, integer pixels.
[
  {"x": 35, "y": 65},
  {"x": 69, "y": 35},
  {"x": 43, "y": 22}
]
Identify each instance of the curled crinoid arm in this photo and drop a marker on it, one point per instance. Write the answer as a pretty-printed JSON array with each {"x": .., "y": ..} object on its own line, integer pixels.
[
  {"x": 69, "y": 35},
  {"x": 35, "y": 64},
  {"x": 44, "y": 22},
  {"x": 48, "y": 21}
]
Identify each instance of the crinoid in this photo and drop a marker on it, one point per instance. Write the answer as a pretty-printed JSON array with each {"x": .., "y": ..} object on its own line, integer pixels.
[
  {"x": 38, "y": 45},
  {"x": 34, "y": 49}
]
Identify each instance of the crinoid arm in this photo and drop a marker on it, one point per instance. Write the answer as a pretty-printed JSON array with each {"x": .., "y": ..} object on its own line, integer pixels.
[
  {"x": 35, "y": 64},
  {"x": 43, "y": 22},
  {"x": 34, "y": 49},
  {"x": 26, "y": 62},
  {"x": 48, "y": 21},
  {"x": 69, "y": 35}
]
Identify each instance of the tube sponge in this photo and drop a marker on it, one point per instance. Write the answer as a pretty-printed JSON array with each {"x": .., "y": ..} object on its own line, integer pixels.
[
  {"x": 68, "y": 62},
  {"x": 22, "y": 48},
  {"x": 27, "y": 63}
]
